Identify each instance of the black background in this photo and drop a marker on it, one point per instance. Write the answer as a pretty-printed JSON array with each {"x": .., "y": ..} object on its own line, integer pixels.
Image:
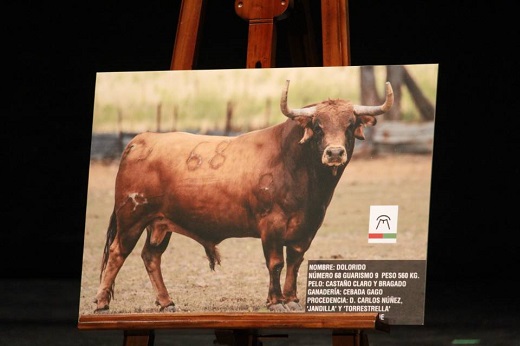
[{"x": 52, "y": 53}]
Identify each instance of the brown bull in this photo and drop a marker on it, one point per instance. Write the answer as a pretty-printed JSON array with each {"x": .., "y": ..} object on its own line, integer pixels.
[{"x": 274, "y": 184}]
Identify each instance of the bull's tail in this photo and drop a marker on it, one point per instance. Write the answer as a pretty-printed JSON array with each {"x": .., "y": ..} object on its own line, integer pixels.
[{"x": 111, "y": 234}]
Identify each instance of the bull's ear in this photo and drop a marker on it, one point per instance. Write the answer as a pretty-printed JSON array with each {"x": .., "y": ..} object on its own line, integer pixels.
[
  {"x": 306, "y": 135},
  {"x": 366, "y": 120},
  {"x": 358, "y": 132},
  {"x": 303, "y": 120},
  {"x": 363, "y": 121}
]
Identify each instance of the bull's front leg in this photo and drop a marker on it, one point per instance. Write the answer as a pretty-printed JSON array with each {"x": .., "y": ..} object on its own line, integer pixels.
[
  {"x": 290, "y": 289},
  {"x": 273, "y": 252}
]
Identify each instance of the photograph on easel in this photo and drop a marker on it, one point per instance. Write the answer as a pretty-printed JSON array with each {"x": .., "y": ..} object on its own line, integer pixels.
[{"x": 260, "y": 190}]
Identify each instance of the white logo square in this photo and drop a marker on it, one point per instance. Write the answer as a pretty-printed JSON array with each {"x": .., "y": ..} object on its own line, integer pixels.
[{"x": 382, "y": 225}]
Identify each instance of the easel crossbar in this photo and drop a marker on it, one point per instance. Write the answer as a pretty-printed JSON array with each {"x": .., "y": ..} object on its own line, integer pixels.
[{"x": 341, "y": 321}]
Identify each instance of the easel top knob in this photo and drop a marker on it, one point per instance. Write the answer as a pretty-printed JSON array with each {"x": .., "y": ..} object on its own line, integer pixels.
[{"x": 261, "y": 9}]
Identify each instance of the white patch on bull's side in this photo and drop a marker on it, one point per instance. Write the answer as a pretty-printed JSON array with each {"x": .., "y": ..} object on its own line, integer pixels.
[{"x": 137, "y": 199}]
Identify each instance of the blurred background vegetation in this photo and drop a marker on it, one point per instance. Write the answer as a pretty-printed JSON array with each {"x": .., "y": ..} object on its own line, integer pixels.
[{"x": 209, "y": 100}]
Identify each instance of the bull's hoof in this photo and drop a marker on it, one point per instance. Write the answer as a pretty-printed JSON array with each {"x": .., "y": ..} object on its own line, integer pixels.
[
  {"x": 278, "y": 307},
  {"x": 101, "y": 310},
  {"x": 293, "y": 306},
  {"x": 102, "y": 305},
  {"x": 168, "y": 308}
]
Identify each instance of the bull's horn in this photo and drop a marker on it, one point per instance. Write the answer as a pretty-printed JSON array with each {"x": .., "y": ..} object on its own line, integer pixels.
[
  {"x": 292, "y": 113},
  {"x": 377, "y": 110}
]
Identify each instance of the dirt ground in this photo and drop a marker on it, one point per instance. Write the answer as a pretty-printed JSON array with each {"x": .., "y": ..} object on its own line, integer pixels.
[{"x": 240, "y": 283}]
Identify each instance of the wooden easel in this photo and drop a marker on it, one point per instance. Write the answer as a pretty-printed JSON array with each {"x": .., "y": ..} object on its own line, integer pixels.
[
  {"x": 262, "y": 31},
  {"x": 242, "y": 329},
  {"x": 237, "y": 329}
]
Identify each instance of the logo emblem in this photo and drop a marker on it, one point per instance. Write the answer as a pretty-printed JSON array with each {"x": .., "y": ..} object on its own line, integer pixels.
[{"x": 382, "y": 226}]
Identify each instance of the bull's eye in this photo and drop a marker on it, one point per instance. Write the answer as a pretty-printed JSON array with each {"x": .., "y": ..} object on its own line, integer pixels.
[
  {"x": 350, "y": 129},
  {"x": 317, "y": 129}
]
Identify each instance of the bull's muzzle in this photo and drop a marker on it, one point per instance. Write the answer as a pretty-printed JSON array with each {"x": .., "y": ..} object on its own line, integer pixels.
[{"x": 334, "y": 156}]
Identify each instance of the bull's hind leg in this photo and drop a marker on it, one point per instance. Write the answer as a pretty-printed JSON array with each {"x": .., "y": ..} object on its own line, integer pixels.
[
  {"x": 122, "y": 245},
  {"x": 106, "y": 286},
  {"x": 156, "y": 242}
]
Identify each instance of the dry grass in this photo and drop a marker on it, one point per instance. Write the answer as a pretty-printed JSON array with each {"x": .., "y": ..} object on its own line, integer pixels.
[{"x": 241, "y": 282}]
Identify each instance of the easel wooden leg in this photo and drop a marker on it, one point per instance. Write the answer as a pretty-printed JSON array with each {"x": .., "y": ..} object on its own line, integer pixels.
[
  {"x": 187, "y": 35},
  {"x": 261, "y": 46},
  {"x": 261, "y": 41},
  {"x": 139, "y": 338},
  {"x": 349, "y": 338},
  {"x": 335, "y": 34}
]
